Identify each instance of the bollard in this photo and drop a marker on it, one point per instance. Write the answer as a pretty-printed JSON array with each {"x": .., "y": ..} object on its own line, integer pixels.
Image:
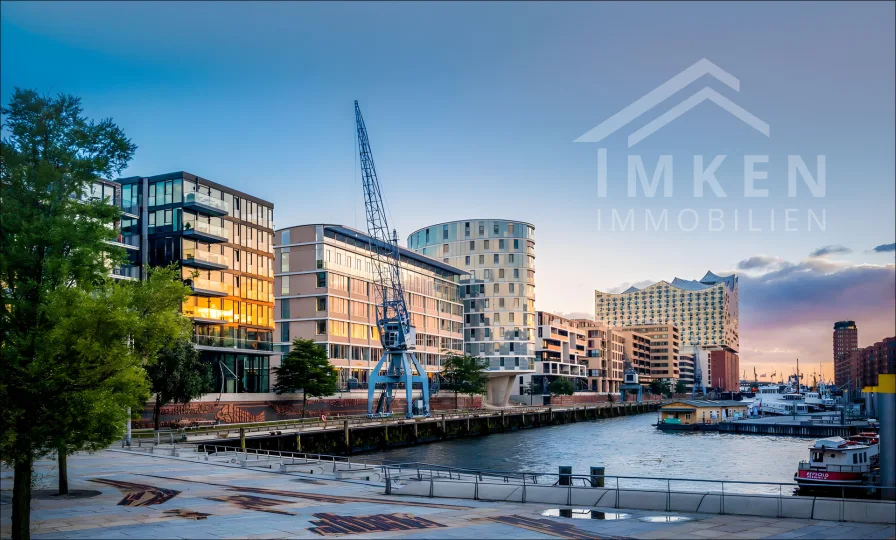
[
  {"x": 597, "y": 476},
  {"x": 243, "y": 438},
  {"x": 565, "y": 475},
  {"x": 348, "y": 442}
]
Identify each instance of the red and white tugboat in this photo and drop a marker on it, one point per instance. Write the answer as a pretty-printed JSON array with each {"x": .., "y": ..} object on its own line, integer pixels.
[{"x": 837, "y": 461}]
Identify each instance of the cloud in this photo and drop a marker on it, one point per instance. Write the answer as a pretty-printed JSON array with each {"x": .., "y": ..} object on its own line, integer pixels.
[
  {"x": 824, "y": 251},
  {"x": 762, "y": 262},
  {"x": 885, "y": 248},
  {"x": 577, "y": 315}
]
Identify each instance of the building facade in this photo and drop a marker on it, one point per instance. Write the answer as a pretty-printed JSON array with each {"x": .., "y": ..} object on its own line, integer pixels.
[
  {"x": 704, "y": 311},
  {"x": 325, "y": 291},
  {"x": 111, "y": 193},
  {"x": 664, "y": 351},
  {"x": 723, "y": 369},
  {"x": 560, "y": 351},
  {"x": 222, "y": 241},
  {"x": 867, "y": 363},
  {"x": 846, "y": 340},
  {"x": 498, "y": 292},
  {"x": 604, "y": 349}
]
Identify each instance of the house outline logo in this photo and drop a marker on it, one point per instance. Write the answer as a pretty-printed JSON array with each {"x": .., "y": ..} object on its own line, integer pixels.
[{"x": 665, "y": 91}]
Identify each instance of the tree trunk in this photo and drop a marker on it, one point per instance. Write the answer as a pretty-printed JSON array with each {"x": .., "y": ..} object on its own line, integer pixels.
[
  {"x": 21, "y": 499},
  {"x": 157, "y": 413},
  {"x": 63, "y": 471},
  {"x": 304, "y": 402}
]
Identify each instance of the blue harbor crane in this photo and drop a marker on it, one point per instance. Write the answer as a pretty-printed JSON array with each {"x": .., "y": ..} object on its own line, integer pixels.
[{"x": 397, "y": 334}]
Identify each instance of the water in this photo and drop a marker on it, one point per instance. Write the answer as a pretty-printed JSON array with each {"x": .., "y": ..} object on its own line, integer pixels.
[{"x": 626, "y": 446}]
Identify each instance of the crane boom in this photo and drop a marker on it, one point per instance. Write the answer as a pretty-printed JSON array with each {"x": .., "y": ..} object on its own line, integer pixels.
[{"x": 397, "y": 334}]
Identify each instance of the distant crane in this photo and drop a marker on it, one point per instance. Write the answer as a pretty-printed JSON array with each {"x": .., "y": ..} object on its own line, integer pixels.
[{"x": 397, "y": 334}]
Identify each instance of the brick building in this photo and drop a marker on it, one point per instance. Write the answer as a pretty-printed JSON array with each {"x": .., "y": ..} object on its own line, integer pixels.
[
  {"x": 846, "y": 340},
  {"x": 723, "y": 367}
]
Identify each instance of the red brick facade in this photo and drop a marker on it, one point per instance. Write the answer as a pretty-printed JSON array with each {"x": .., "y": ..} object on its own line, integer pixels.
[
  {"x": 724, "y": 366},
  {"x": 867, "y": 363}
]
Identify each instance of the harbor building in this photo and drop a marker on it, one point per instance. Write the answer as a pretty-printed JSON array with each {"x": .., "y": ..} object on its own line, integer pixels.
[
  {"x": 689, "y": 412},
  {"x": 664, "y": 342},
  {"x": 222, "y": 240},
  {"x": 560, "y": 351},
  {"x": 868, "y": 363},
  {"x": 325, "y": 291},
  {"x": 846, "y": 340},
  {"x": 704, "y": 311},
  {"x": 498, "y": 292}
]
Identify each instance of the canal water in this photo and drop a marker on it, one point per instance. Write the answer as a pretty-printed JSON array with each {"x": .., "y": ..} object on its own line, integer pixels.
[{"x": 626, "y": 446}]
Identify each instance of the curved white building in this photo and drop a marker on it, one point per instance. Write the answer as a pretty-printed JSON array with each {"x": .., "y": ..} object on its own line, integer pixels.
[
  {"x": 705, "y": 311},
  {"x": 498, "y": 294}
]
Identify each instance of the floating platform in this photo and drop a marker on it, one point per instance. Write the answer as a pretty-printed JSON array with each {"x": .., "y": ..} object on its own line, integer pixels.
[
  {"x": 814, "y": 426},
  {"x": 666, "y": 426}
]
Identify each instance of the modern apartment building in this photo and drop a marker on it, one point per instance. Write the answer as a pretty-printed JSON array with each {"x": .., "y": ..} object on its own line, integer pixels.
[
  {"x": 846, "y": 340},
  {"x": 110, "y": 192},
  {"x": 560, "y": 351},
  {"x": 498, "y": 292},
  {"x": 686, "y": 368},
  {"x": 604, "y": 350},
  {"x": 222, "y": 240},
  {"x": 664, "y": 351},
  {"x": 325, "y": 291},
  {"x": 704, "y": 311}
]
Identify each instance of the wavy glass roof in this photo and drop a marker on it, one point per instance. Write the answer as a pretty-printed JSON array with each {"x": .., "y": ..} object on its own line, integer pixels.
[{"x": 709, "y": 280}]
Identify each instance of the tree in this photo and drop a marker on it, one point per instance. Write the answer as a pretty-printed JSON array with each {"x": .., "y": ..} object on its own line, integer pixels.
[
  {"x": 177, "y": 376},
  {"x": 531, "y": 389},
  {"x": 561, "y": 386},
  {"x": 52, "y": 240},
  {"x": 306, "y": 367},
  {"x": 681, "y": 387},
  {"x": 661, "y": 387},
  {"x": 466, "y": 374}
]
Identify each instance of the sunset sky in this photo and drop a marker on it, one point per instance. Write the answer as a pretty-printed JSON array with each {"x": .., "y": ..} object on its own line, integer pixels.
[{"x": 473, "y": 110}]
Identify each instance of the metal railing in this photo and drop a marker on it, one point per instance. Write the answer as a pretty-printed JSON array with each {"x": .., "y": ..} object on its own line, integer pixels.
[
  {"x": 203, "y": 227},
  {"x": 206, "y": 256},
  {"x": 400, "y": 475},
  {"x": 209, "y": 285},
  {"x": 233, "y": 343},
  {"x": 202, "y": 198}
]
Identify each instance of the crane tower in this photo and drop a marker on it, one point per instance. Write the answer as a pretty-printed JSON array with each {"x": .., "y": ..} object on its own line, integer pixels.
[{"x": 397, "y": 334}]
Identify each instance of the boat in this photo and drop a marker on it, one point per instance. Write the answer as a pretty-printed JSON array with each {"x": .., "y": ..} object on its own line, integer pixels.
[
  {"x": 837, "y": 461},
  {"x": 821, "y": 400},
  {"x": 780, "y": 400}
]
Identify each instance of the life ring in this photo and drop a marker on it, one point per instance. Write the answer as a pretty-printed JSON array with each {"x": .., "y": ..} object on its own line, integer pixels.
[{"x": 323, "y": 418}]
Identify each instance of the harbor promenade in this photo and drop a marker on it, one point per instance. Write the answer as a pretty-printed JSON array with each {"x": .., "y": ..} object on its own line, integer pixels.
[{"x": 122, "y": 494}]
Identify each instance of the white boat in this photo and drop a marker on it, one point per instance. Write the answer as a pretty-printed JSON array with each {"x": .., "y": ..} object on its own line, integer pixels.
[
  {"x": 837, "y": 461},
  {"x": 780, "y": 400}
]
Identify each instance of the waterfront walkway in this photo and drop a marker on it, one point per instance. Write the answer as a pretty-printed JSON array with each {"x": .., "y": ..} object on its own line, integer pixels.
[{"x": 134, "y": 495}]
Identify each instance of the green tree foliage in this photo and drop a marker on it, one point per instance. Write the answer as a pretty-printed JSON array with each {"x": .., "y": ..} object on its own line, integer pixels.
[
  {"x": 681, "y": 387},
  {"x": 306, "y": 367},
  {"x": 466, "y": 374},
  {"x": 561, "y": 386},
  {"x": 178, "y": 375},
  {"x": 661, "y": 387},
  {"x": 53, "y": 242}
]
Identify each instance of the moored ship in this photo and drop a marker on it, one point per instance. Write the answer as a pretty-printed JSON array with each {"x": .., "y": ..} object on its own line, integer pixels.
[{"x": 836, "y": 461}]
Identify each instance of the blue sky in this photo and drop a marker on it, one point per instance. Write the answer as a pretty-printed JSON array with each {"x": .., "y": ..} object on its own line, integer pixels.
[{"x": 473, "y": 108}]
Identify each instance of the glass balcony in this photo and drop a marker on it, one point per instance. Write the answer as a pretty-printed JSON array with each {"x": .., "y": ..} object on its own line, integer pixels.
[
  {"x": 205, "y": 287},
  {"x": 233, "y": 343},
  {"x": 197, "y": 258},
  {"x": 205, "y": 231},
  {"x": 206, "y": 204},
  {"x": 210, "y": 315},
  {"x": 126, "y": 272}
]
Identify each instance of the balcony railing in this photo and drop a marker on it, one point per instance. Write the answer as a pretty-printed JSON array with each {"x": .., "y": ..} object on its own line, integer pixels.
[
  {"x": 207, "y": 228},
  {"x": 214, "y": 286},
  {"x": 206, "y": 200},
  {"x": 233, "y": 343},
  {"x": 209, "y": 314},
  {"x": 206, "y": 256}
]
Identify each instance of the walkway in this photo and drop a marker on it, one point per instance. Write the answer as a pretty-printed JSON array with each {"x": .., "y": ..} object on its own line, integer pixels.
[{"x": 144, "y": 496}]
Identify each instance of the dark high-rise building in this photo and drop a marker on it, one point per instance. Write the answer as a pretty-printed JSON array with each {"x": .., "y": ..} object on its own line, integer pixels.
[
  {"x": 846, "y": 339},
  {"x": 222, "y": 240}
]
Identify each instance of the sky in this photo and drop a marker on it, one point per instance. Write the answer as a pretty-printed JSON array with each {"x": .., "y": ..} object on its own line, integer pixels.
[{"x": 473, "y": 110}]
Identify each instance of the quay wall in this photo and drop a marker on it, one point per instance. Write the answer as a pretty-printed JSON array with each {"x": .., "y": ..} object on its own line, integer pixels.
[
  {"x": 346, "y": 439},
  {"x": 791, "y": 429}
]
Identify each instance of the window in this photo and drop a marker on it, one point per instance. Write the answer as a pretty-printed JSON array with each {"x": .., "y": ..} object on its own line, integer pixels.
[
  {"x": 284, "y": 309},
  {"x": 496, "y": 229},
  {"x": 467, "y": 229},
  {"x": 467, "y": 260},
  {"x": 427, "y": 236},
  {"x": 516, "y": 273},
  {"x": 516, "y": 244},
  {"x": 510, "y": 258},
  {"x": 497, "y": 288},
  {"x": 284, "y": 285},
  {"x": 500, "y": 302},
  {"x": 444, "y": 249},
  {"x": 497, "y": 258},
  {"x": 512, "y": 287},
  {"x": 444, "y": 232},
  {"x": 284, "y": 332},
  {"x": 321, "y": 279},
  {"x": 284, "y": 237},
  {"x": 284, "y": 260},
  {"x": 472, "y": 245},
  {"x": 322, "y": 303},
  {"x": 510, "y": 228},
  {"x": 501, "y": 273},
  {"x": 488, "y": 274},
  {"x": 500, "y": 244},
  {"x": 485, "y": 244},
  {"x": 321, "y": 327},
  {"x": 481, "y": 229},
  {"x": 482, "y": 259}
]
